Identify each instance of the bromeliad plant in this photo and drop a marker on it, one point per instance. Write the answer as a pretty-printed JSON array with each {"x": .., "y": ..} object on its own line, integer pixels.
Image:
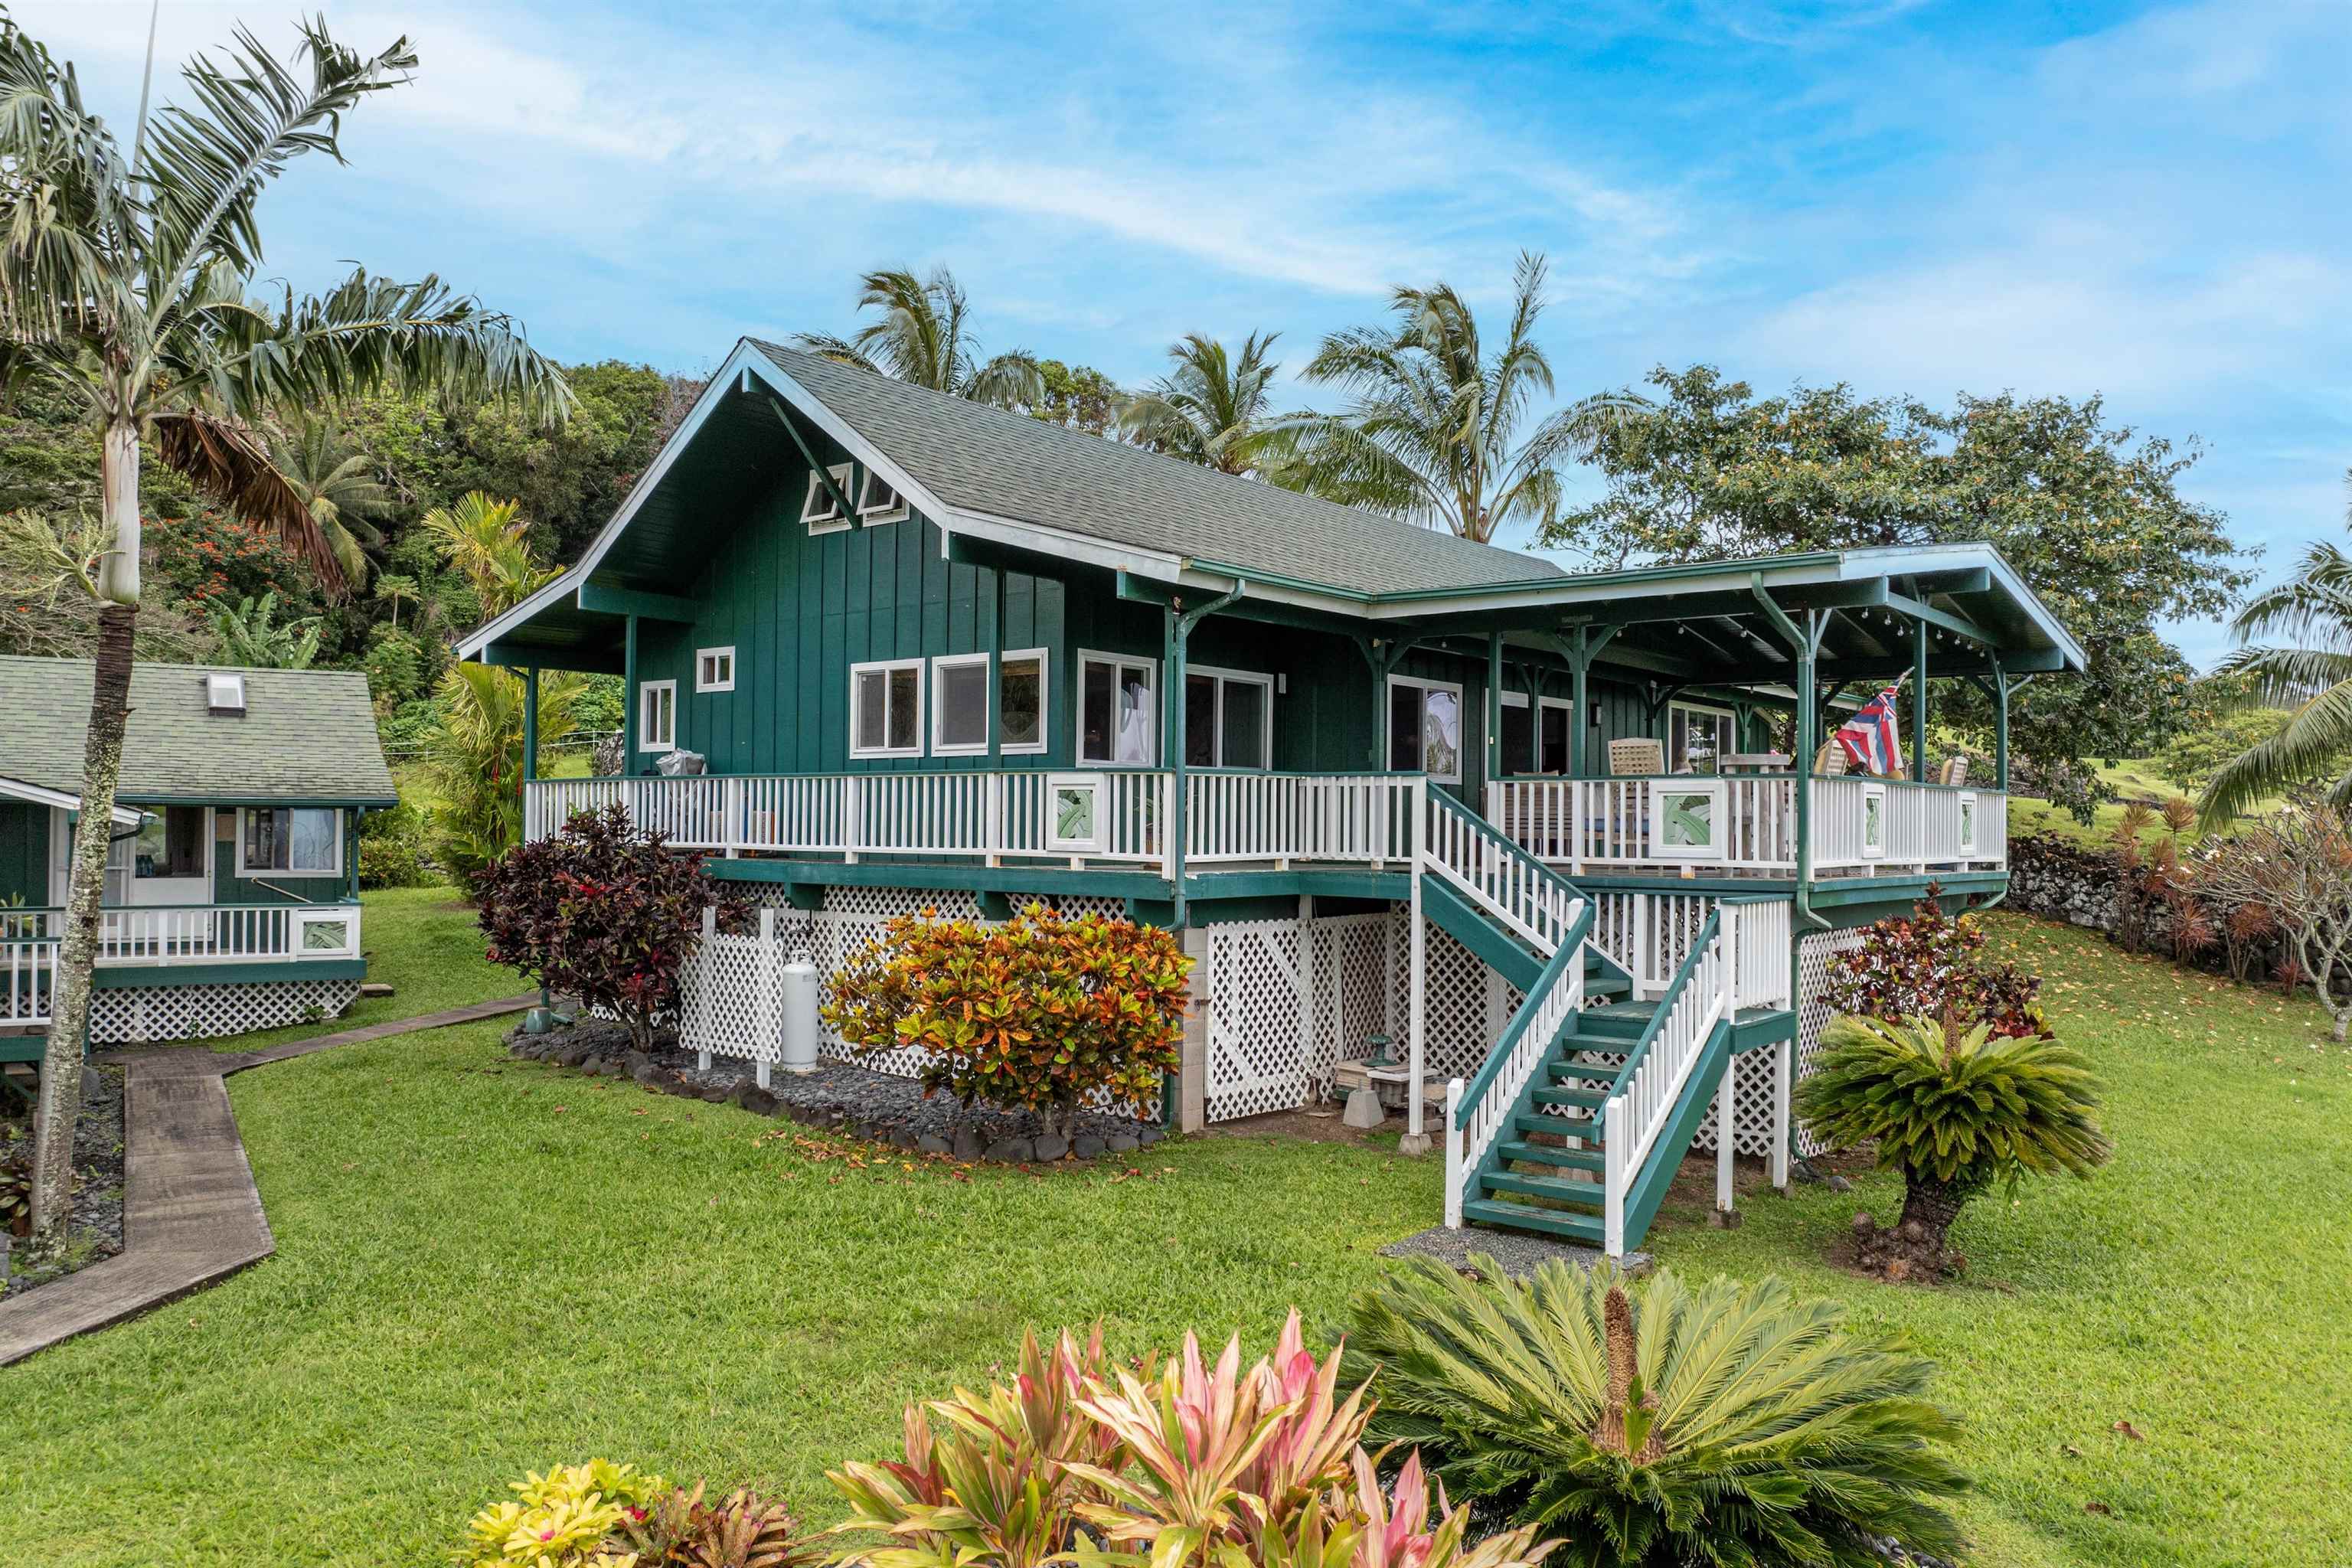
[
  {"x": 1184, "y": 1465},
  {"x": 1040, "y": 1014},
  {"x": 603, "y": 912},
  {"x": 1955, "y": 1109},
  {"x": 1727, "y": 1425},
  {"x": 569, "y": 1518}
]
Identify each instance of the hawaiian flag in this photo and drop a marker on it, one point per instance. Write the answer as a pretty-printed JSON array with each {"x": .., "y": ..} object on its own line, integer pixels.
[{"x": 1869, "y": 737}]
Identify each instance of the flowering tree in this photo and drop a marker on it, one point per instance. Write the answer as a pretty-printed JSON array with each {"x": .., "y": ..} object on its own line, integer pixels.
[{"x": 2296, "y": 867}]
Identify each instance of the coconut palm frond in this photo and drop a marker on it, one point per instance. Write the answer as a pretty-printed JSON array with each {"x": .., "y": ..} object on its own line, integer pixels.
[
  {"x": 230, "y": 462},
  {"x": 2314, "y": 743},
  {"x": 2311, "y": 669},
  {"x": 919, "y": 337},
  {"x": 1210, "y": 408}
]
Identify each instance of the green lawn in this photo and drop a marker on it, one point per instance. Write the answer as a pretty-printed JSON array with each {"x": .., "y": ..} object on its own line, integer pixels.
[{"x": 486, "y": 1266}]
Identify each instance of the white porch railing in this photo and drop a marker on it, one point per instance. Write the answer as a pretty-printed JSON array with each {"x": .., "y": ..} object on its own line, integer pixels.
[
  {"x": 1298, "y": 816},
  {"x": 166, "y": 935},
  {"x": 1746, "y": 824},
  {"x": 1499, "y": 876},
  {"x": 26, "y": 967}
]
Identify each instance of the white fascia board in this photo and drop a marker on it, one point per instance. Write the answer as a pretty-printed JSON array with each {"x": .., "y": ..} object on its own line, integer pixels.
[
  {"x": 40, "y": 794},
  {"x": 1911, "y": 560}
]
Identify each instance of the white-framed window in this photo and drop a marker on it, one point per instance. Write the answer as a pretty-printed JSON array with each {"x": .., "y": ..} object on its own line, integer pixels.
[
  {"x": 886, "y": 709},
  {"x": 878, "y": 502},
  {"x": 1874, "y": 821},
  {"x": 1968, "y": 809},
  {"x": 1021, "y": 701},
  {"x": 657, "y": 715},
  {"x": 820, "y": 511},
  {"x": 1697, "y": 737},
  {"x": 1074, "y": 813},
  {"x": 331, "y": 932},
  {"x": 1425, "y": 727},
  {"x": 296, "y": 840},
  {"x": 1228, "y": 718},
  {"x": 1685, "y": 821},
  {"x": 960, "y": 709},
  {"x": 714, "y": 669},
  {"x": 960, "y": 705},
  {"x": 1119, "y": 709},
  {"x": 172, "y": 842}
]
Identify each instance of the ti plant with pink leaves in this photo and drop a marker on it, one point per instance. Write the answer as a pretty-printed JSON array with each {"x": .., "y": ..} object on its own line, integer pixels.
[{"x": 1185, "y": 1465}]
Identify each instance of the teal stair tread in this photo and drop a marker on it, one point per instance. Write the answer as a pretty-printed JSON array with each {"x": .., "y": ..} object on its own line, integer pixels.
[
  {"x": 1550, "y": 1154},
  {"x": 1562, "y": 1072},
  {"x": 1587, "y": 1192},
  {"x": 1536, "y": 1122},
  {"x": 1577, "y": 1098},
  {"x": 1526, "y": 1216}
]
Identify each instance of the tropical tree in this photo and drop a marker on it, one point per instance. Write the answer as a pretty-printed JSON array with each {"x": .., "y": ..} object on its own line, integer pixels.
[
  {"x": 1211, "y": 408},
  {"x": 922, "y": 337},
  {"x": 251, "y": 634},
  {"x": 1955, "y": 1109},
  {"x": 126, "y": 283},
  {"x": 2309, "y": 672},
  {"x": 395, "y": 588},
  {"x": 487, "y": 541},
  {"x": 339, "y": 491},
  {"x": 1433, "y": 432},
  {"x": 1660, "y": 1426}
]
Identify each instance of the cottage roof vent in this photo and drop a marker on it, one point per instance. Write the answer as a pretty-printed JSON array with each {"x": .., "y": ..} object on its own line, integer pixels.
[{"x": 225, "y": 694}]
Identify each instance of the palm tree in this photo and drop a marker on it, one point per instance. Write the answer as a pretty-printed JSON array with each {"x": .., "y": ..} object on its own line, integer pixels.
[
  {"x": 340, "y": 491},
  {"x": 1659, "y": 1426},
  {"x": 125, "y": 283},
  {"x": 2311, "y": 672},
  {"x": 488, "y": 542},
  {"x": 1432, "y": 432},
  {"x": 1211, "y": 409},
  {"x": 395, "y": 588},
  {"x": 921, "y": 339}
]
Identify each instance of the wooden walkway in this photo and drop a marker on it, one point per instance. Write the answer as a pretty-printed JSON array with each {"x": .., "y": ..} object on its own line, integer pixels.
[{"x": 191, "y": 1214}]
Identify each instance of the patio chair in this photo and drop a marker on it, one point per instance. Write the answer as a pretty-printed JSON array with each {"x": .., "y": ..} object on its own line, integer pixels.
[
  {"x": 1830, "y": 762},
  {"x": 1955, "y": 771},
  {"x": 1636, "y": 754}
]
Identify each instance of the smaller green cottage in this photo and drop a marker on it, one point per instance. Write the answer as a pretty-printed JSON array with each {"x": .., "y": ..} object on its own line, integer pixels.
[{"x": 232, "y": 889}]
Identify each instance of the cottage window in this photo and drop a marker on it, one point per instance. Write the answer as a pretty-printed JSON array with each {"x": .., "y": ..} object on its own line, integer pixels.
[
  {"x": 714, "y": 669},
  {"x": 1228, "y": 718},
  {"x": 820, "y": 511},
  {"x": 657, "y": 715},
  {"x": 1425, "y": 728},
  {"x": 960, "y": 705},
  {"x": 1021, "y": 700},
  {"x": 1553, "y": 717},
  {"x": 299, "y": 840},
  {"x": 1518, "y": 734},
  {"x": 886, "y": 709},
  {"x": 1697, "y": 737},
  {"x": 1118, "y": 709},
  {"x": 878, "y": 502},
  {"x": 170, "y": 843}
]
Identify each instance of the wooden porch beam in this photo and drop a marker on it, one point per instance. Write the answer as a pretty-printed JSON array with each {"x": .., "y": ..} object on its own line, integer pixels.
[
  {"x": 824, "y": 475},
  {"x": 1920, "y": 610},
  {"x": 1860, "y": 594},
  {"x": 609, "y": 599}
]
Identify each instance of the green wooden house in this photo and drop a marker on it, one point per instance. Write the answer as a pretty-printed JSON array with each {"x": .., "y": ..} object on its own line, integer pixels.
[
  {"x": 231, "y": 899},
  {"x": 1525, "y": 831}
]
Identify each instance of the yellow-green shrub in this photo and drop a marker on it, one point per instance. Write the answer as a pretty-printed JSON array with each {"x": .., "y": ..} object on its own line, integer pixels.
[{"x": 562, "y": 1519}]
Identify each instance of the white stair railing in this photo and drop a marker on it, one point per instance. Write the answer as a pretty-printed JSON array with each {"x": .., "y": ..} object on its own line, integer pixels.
[
  {"x": 1651, "y": 1084},
  {"x": 1477, "y": 1112},
  {"x": 1519, "y": 890}
]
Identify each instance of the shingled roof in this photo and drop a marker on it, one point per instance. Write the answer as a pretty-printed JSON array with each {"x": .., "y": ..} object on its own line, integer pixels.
[
  {"x": 1011, "y": 466},
  {"x": 306, "y": 734}
]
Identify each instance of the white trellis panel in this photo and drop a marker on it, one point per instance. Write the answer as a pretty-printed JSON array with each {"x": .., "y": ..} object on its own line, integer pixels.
[
  {"x": 1813, "y": 955},
  {"x": 1347, "y": 986},
  {"x": 148, "y": 1014},
  {"x": 1458, "y": 1024},
  {"x": 1258, "y": 1025}
]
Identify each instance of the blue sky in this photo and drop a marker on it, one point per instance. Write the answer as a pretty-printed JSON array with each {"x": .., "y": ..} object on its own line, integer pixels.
[{"x": 2141, "y": 201}]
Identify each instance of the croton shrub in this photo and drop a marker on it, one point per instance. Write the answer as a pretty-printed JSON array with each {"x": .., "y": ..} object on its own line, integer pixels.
[
  {"x": 1931, "y": 964},
  {"x": 604, "y": 911},
  {"x": 1039, "y": 1013}
]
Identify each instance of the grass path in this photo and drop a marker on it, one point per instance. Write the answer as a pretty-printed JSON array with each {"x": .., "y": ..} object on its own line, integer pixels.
[{"x": 486, "y": 1266}]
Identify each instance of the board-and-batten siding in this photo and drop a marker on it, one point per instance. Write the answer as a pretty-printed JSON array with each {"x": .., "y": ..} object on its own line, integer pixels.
[{"x": 800, "y": 609}]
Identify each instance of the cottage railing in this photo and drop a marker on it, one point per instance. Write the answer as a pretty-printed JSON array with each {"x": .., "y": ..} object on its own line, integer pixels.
[{"x": 1496, "y": 874}]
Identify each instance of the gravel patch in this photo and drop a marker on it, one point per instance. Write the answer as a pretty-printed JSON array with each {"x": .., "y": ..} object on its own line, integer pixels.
[
  {"x": 882, "y": 1107},
  {"x": 94, "y": 1230},
  {"x": 1517, "y": 1252}
]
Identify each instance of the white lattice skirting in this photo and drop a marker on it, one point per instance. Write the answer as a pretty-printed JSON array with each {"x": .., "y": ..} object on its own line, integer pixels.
[{"x": 149, "y": 1015}]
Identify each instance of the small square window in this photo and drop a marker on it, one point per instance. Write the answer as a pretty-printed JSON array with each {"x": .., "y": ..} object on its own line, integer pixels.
[
  {"x": 224, "y": 693},
  {"x": 657, "y": 715},
  {"x": 820, "y": 511},
  {"x": 714, "y": 669},
  {"x": 878, "y": 502}
]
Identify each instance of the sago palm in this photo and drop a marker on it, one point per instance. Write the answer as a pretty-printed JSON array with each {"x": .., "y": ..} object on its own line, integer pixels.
[
  {"x": 1954, "y": 1109},
  {"x": 341, "y": 494},
  {"x": 922, "y": 337},
  {"x": 2309, "y": 672},
  {"x": 1660, "y": 1426},
  {"x": 1211, "y": 408},
  {"x": 1433, "y": 432},
  {"x": 126, "y": 283}
]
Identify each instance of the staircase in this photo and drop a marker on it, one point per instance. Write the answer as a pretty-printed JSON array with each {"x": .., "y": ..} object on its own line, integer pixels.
[{"x": 1577, "y": 1122}]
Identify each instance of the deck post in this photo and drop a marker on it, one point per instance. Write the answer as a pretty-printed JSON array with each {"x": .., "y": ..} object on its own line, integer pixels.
[
  {"x": 2000, "y": 724},
  {"x": 1494, "y": 706},
  {"x": 629, "y": 696},
  {"x": 1578, "y": 663},
  {"x": 530, "y": 723},
  {"x": 1726, "y": 1120},
  {"x": 1919, "y": 703},
  {"x": 1415, "y": 1140},
  {"x": 1192, "y": 1071},
  {"x": 1176, "y": 631},
  {"x": 1783, "y": 1087}
]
